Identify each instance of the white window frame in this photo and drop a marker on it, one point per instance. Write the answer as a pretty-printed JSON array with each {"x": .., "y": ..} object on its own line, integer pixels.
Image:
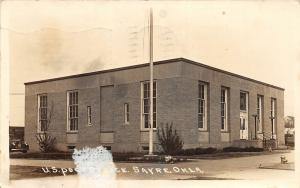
[
  {"x": 204, "y": 101},
  {"x": 68, "y": 111},
  {"x": 39, "y": 113},
  {"x": 259, "y": 113},
  {"x": 273, "y": 114},
  {"x": 89, "y": 115},
  {"x": 126, "y": 113},
  {"x": 142, "y": 105},
  {"x": 225, "y": 116}
]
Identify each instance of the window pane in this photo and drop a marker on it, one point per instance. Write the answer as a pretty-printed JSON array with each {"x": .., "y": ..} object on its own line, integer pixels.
[
  {"x": 126, "y": 113},
  {"x": 242, "y": 120},
  {"x": 201, "y": 107},
  {"x": 154, "y": 120},
  {"x": 224, "y": 100},
  {"x": 201, "y": 91},
  {"x": 146, "y": 120},
  {"x": 201, "y": 104},
  {"x": 89, "y": 116},
  {"x": 222, "y": 123},
  {"x": 76, "y": 99},
  {"x": 154, "y": 105},
  {"x": 42, "y": 113},
  {"x": 73, "y": 110},
  {"x": 71, "y": 124},
  {"x": 146, "y": 109},
  {"x": 243, "y": 101},
  {"x": 146, "y": 104},
  {"x": 200, "y": 121},
  {"x": 223, "y": 95},
  {"x": 45, "y": 101},
  {"x": 70, "y": 98},
  {"x": 76, "y": 124}
]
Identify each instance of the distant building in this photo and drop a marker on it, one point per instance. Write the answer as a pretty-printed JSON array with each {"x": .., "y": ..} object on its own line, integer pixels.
[
  {"x": 16, "y": 133},
  {"x": 209, "y": 107},
  {"x": 289, "y": 122}
]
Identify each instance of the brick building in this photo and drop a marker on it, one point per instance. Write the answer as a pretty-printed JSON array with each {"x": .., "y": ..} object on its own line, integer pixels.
[{"x": 208, "y": 107}]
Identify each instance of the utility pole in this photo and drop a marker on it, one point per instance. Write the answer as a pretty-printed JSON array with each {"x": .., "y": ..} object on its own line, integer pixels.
[{"x": 151, "y": 83}]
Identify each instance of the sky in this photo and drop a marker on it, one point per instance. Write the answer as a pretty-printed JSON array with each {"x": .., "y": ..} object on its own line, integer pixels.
[{"x": 256, "y": 39}]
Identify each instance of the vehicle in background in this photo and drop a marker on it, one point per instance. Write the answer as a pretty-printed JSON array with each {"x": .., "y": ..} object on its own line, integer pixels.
[{"x": 17, "y": 145}]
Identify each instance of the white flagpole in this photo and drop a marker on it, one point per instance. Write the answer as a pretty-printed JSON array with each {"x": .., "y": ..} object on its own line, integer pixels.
[{"x": 151, "y": 85}]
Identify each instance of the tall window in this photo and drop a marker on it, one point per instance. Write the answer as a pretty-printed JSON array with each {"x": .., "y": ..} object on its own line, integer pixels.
[
  {"x": 273, "y": 114},
  {"x": 224, "y": 109},
  {"x": 259, "y": 112},
  {"x": 126, "y": 113},
  {"x": 202, "y": 106},
  {"x": 72, "y": 110},
  {"x": 42, "y": 113},
  {"x": 89, "y": 115},
  {"x": 146, "y": 104}
]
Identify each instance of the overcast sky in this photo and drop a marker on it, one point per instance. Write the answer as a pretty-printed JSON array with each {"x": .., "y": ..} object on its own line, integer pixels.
[{"x": 256, "y": 39}]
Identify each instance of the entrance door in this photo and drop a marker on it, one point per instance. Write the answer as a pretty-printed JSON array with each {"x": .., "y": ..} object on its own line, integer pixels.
[
  {"x": 244, "y": 115},
  {"x": 243, "y": 126}
]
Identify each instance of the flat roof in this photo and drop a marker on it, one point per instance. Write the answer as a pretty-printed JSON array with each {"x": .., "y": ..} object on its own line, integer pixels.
[{"x": 155, "y": 63}]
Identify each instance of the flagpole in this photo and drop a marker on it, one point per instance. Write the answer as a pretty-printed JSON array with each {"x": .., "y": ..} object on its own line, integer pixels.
[{"x": 151, "y": 84}]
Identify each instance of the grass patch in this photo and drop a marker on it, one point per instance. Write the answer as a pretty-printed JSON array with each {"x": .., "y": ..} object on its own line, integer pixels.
[{"x": 39, "y": 155}]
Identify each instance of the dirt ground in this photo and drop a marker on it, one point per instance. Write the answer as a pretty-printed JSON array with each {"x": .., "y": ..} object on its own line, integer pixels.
[{"x": 243, "y": 168}]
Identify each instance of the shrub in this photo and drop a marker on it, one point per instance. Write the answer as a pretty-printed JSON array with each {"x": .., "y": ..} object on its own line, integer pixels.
[
  {"x": 253, "y": 149},
  {"x": 197, "y": 151},
  {"x": 231, "y": 149},
  {"x": 238, "y": 149},
  {"x": 169, "y": 140},
  {"x": 124, "y": 156},
  {"x": 46, "y": 142},
  {"x": 190, "y": 151},
  {"x": 205, "y": 150}
]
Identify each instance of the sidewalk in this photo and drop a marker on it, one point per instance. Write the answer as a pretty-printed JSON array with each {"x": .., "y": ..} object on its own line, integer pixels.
[{"x": 230, "y": 168}]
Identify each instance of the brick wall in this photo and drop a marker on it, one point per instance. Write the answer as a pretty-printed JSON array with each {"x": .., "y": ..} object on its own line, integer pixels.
[{"x": 177, "y": 91}]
